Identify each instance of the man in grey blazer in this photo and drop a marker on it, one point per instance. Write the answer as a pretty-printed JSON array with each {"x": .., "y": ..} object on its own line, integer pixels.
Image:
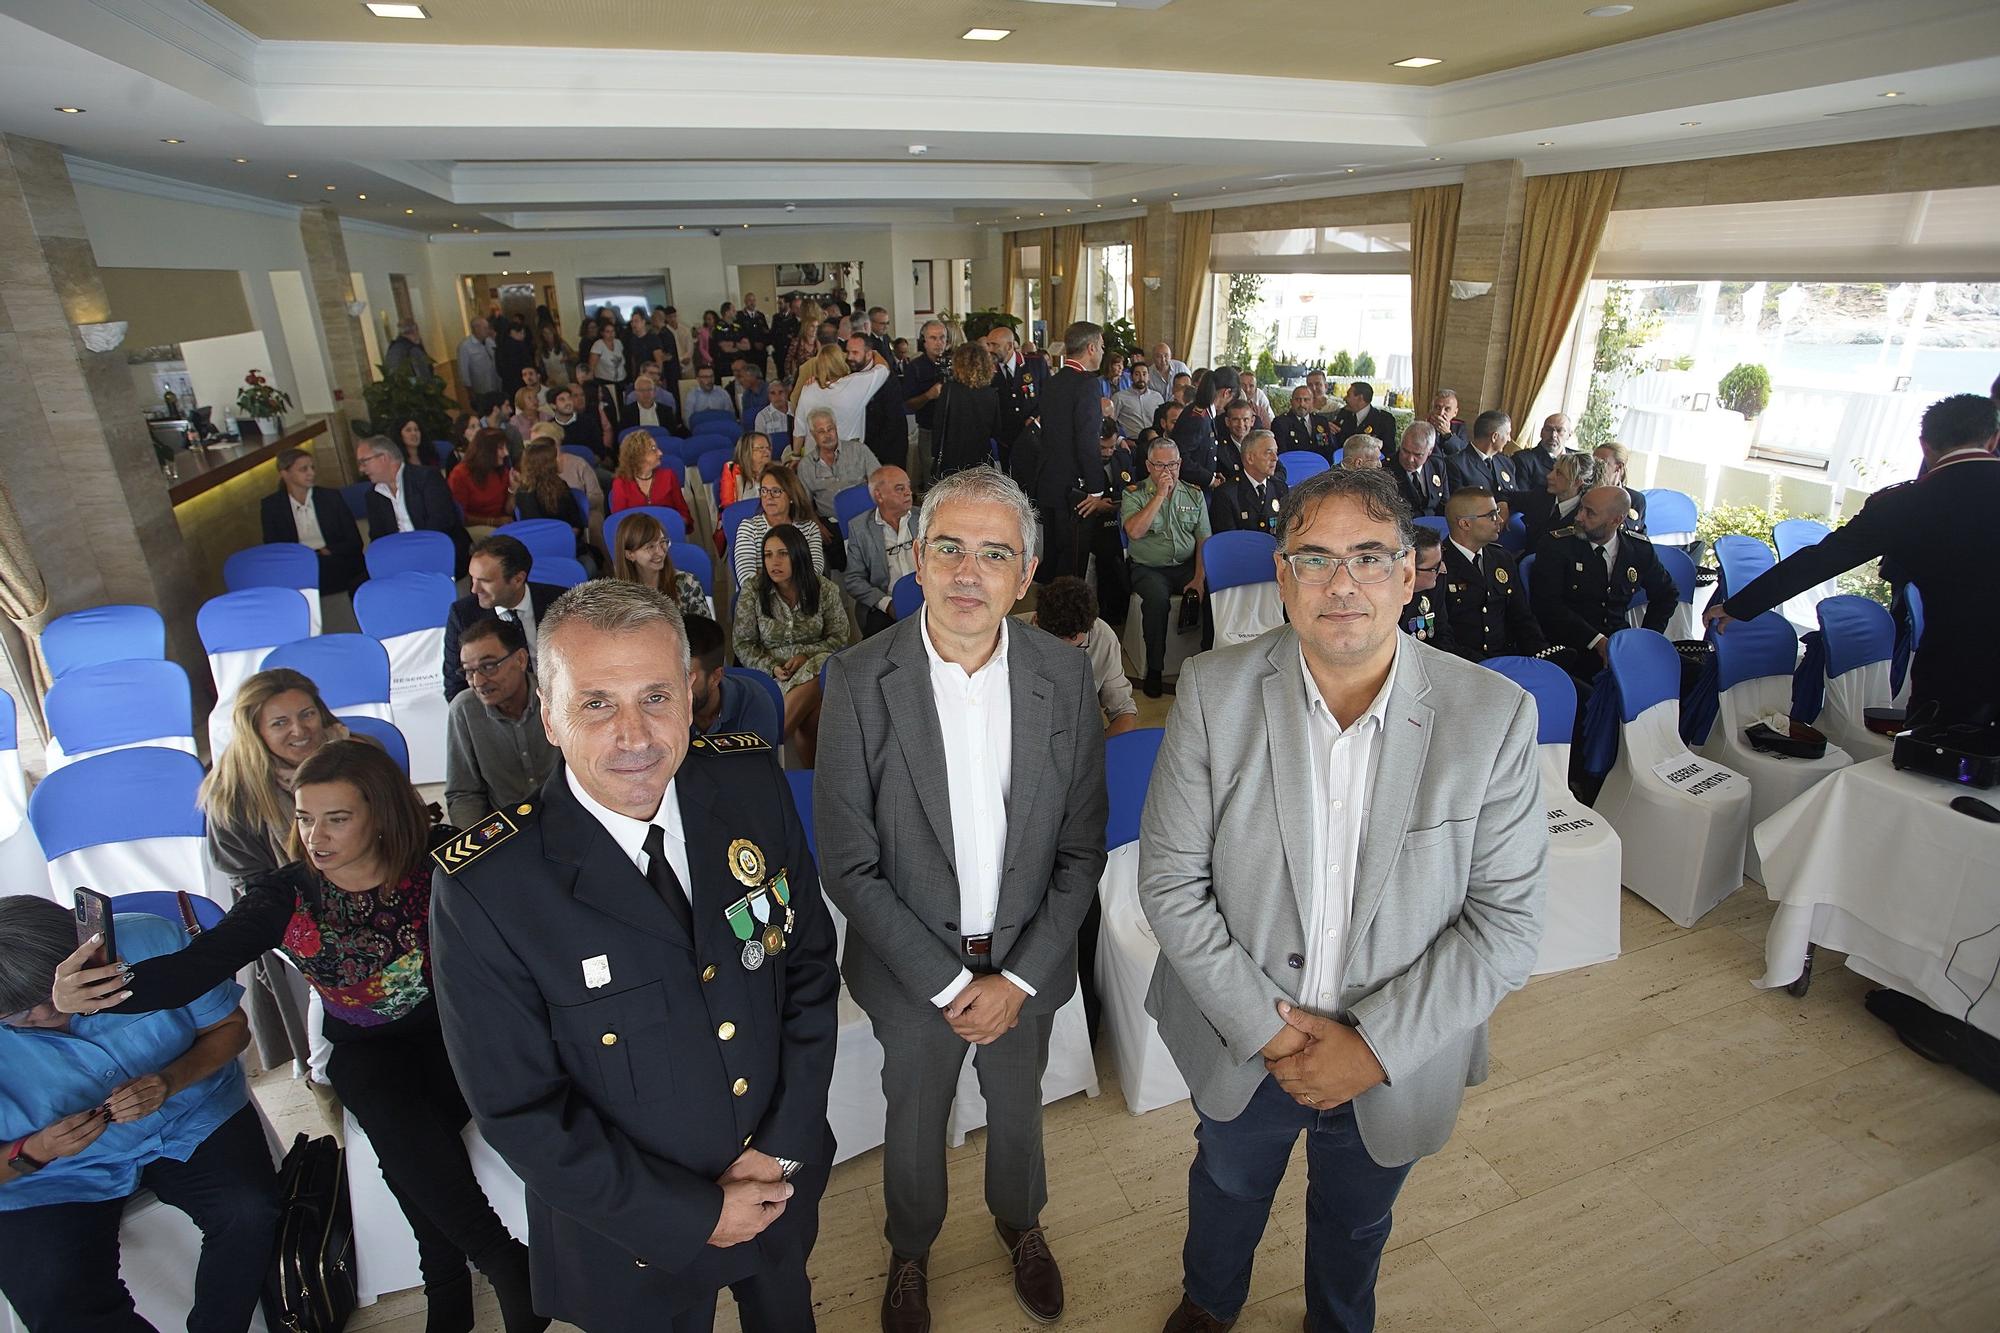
[
  {"x": 1343, "y": 857},
  {"x": 881, "y": 548},
  {"x": 960, "y": 805}
]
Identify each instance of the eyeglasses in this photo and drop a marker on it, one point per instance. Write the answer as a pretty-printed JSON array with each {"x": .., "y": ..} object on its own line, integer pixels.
[
  {"x": 1430, "y": 569},
  {"x": 1314, "y": 570},
  {"x": 491, "y": 666},
  {"x": 951, "y": 555},
  {"x": 771, "y": 492}
]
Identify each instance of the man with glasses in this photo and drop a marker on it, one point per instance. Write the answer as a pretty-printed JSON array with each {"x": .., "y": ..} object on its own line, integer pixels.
[
  {"x": 960, "y": 805},
  {"x": 1343, "y": 857},
  {"x": 1166, "y": 521},
  {"x": 1483, "y": 595},
  {"x": 498, "y": 575},
  {"x": 1423, "y": 616},
  {"x": 496, "y": 753}
]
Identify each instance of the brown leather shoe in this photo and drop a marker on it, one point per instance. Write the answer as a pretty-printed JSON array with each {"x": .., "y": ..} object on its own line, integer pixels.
[
  {"x": 1037, "y": 1280},
  {"x": 1191, "y": 1318},
  {"x": 906, "y": 1303}
]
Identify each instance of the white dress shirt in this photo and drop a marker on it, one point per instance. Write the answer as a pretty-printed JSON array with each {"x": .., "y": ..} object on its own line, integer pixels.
[
  {"x": 522, "y": 615},
  {"x": 899, "y": 546},
  {"x": 306, "y": 519},
  {"x": 976, "y": 714},
  {"x": 394, "y": 490},
  {"x": 630, "y": 833},
  {"x": 1610, "y": 555},
  {"x": 1343, "y": 781},
  {"x": 1472, "y": 557}
]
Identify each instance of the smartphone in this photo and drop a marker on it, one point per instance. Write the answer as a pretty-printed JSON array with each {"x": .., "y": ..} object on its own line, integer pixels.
[{"x": 93, "y": 917}]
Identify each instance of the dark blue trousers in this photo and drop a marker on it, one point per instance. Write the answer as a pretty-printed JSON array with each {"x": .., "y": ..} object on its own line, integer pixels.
[{"x": 1235, "y": 1176}]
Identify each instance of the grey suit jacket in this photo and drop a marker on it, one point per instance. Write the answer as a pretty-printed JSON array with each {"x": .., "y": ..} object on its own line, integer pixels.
[
  {"x": 1447, "y": 909},
  {"x": 882, "y": 810},
  {"x": 866, "y": 578}
]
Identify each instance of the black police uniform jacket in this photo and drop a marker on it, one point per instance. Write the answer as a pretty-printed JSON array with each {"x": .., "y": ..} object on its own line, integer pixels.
[
  {"x": 620, "y": 1066},
  {"x": 1576, "y": 598},
  {"x": 1235, "y": 507},
  {"x": 1302, "y": 434},
  {"x": 1424, "y": 618},
  {"x": 1471, "y": 468},
  {"x": 1376, "y": 421},
  {"x": 1488, "y": 608},
  {"x": 1020, "y": 398},
  {"x": 1424, "y": 490}
]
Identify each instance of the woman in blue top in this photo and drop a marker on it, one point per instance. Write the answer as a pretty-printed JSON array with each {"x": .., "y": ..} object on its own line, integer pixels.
[{"x": 94, "y": 1107}]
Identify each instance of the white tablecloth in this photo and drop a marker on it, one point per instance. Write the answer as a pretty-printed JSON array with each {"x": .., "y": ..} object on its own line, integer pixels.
[{"x": 1875, "y": 863}]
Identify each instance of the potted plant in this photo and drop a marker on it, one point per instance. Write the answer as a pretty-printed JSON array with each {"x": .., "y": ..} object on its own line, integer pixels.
[
  {"x": 980, "y": 322},
  {"x": 265, "y": 402},
  {"x": 401, "y": 394},
  {"x": 1745, "y": 389}
]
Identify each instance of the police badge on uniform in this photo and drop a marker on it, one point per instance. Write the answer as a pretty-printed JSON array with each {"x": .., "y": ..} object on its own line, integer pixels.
[
  {"x": 1500, "y": 577},
  {"x": 753, "y": 917}
]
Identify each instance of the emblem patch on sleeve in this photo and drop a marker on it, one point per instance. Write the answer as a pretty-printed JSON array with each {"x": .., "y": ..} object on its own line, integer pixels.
[
  {"x": 731, "y": 742},
  {"x": 474, "y": 843}
]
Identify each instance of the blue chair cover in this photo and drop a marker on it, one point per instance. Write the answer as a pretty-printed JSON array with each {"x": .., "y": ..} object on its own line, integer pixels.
[
  {"x": 124, "y": 796},
  {"x": 348, "y": 668},
  {"x": 1338, "y": 455},
  {"x": 1857, "y": 631},
  {"x": 1647, "y": 670},
  {"x": 1809, "y": 678},
  {"x": 118, "y": 703},
  {"x": 714, "y": 416},
  {"x": 733, "y": 515},
  {"x": 1741, "y": 558},
  {"x": 1437, "y": 524},
  {"x": 780, "y": 441},
  {"x": 1526, "y": 569},
  {"x": 385, "y": 734},
  {"x": 670, "y": 519},
  {"x": 441, "y": 453},
  {"x": 208, "y": 913},
  {"x": 753, "y": 403},
  {"x": 1701, "y": 701},
  {"x": 1680, "y": 567},
  {"x": 582, "y": 452},
  {"x": 1597, "y": 739},
  {"x": 9, "y": 737},
  {"x": 1514, "y": 536},
  {"x": 273, "y": 565},
  {"x": 103, "y": 634},
  {"x": 1907, "y": 606},
  {"x": 1552, "y": 690},
  {"x": 356, "y": 496},
  {"x": 403, "y": 604},
  {"x": 1795, "y": 534},
  {"x": 710, "y": 463},
  {"x": 1235, "y": 559},
  {"x": 582, "y": 498},
  {"x": 1670, "y": 511},
  {"x": 1128, "y": 770},
  {"x": 693, "y": 560},
  {"x": 851, "y": 504},
  {"x": 542, "y": 536},
  {"x": 1300, "y": 464},
  {"x": 1753, "y": 649},
  {"x": 564, "y": 571},
  {"x": 399, "y": 552},
  {"x": 906, "y": 597},
  {"x": 666, "y": 439},
  {"x": 757, "y": 680},
  {"x": 802, "y": 801},
  {"x": 254, "y": 618}
]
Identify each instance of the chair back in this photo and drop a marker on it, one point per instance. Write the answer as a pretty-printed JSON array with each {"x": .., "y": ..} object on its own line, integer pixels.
[
  {"x": 582, "y": 498},
  {"x": 850, "y": 504},
  {"x": 208, "y": 913},
  {"x": 691, "y": 559},
  {"x": 272, "y": 565},
  {"x": 126, "y": 818},
  {"x": 1436, "y": 523},
  {"x": 1753, "y": 649},
  {"x": 712, "y": 416},
  {"x": 561, "y": 571},
  {"x": 907, "y": 598},
  {"x": 1680, "y": 568},
  {"x": 670, "y": 519},
  {"x": 1300, "y": 464},
  {"x": 1234, "y": 559},
  {"x": 1795, "y": 534},
  {"x": 385, "y": 734},
  {"x": 253, "y": 618},
  {"x": 710, "y": 463},
  {"x": 582, "y": 452},
  {"x": 1514, "y": 536},
  {"x": 1526, "y": 570},
  {"x": 1128, "y": 769},
  {"x": 801, "y": 780},
  {"x": 733, "y": 516},
  {"x": 780, "y": 441},
  {"x": 1670, "y": 512},
  {"x": 1742, "y": 559},
  {"x": 349, "y": 669},
  {"x": 757, "y": 680},
  {"x": 114, "y": 705},
  {"x": 1647, "y": 670},
  {"x": 401, "y": 604},
  {"x": 401, "y": 552},
  {"x": 1552, "y": 690},
  {"x": 102, "y": 634},
  {"x": 542, "y": 536},
  {"x": 355, "y": 496},
  {"x": 1857, "y": 631}
]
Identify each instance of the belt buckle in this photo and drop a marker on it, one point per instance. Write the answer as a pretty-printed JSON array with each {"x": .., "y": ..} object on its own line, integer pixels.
[{"x": 978, "y": 946}]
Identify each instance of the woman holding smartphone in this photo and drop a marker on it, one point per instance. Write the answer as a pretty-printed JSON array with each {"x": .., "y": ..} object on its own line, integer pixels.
[{"x": 353, "y": 914}]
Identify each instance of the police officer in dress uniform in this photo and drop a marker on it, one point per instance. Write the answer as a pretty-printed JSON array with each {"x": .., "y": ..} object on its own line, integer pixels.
[
  {"x": 1238, "y": 420},
  {"x": 637, "y": 981},
  {"x": 1482, "y": 464},
  {"x": 1362, "y": 417},
  {"x": 1250, "y": 503},
  {"x": 1418, "y": 472},
  {"x": 1483, "y": 596},
  {"x": 1297, "y": 430},
  {"x": 1585, "y": 577},
  {"x": 1424, "y": 615}
]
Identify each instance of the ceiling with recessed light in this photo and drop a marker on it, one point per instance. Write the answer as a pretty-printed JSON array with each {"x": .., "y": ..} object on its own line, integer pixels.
[{"x": 397, "y": 122}]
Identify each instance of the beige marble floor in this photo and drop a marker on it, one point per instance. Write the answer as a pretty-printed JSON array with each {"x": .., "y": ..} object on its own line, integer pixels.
[{"x": 1660, "y": 1147}]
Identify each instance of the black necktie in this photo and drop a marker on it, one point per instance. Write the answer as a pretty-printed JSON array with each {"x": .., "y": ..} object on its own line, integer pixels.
[
  {"x": 1597, "y": 549},
  {"x": 660, "y": 874}
]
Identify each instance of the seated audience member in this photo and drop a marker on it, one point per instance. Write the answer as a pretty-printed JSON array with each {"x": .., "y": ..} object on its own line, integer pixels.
[
  {"x": 95, "y": 1107},
  {"x": 1424, "y": 615},
  {"x": 1166, "y": 522},
  {"x": 1360, "y": 416},
  {"x": 716, "y": 703},
  {"x": 1482, "y": 464},
  {"x": 579, "y": 411},
  {"x": 1361, "y": 451},
  {"x": 498, "y": 575},
  {"x": 574, "y": 471},
  {"x": 1613, "y": 461},
  {"x": 483, "y": 484},
  {"x": 1166, "y": 366},
  {"x": 1067, "y": 608},
  {"x": 641, "y": 479},
  {"x": 496, "y": 752},
  {"x": 1182, "y": 389},
  {"x": 315, "y": 517},
  {"x": 1418, "y": 473},
  {"x": 1249, "y": 391},
  {"x": 1238, "y": 420},
  {"x": 644, "y": 555},
  {"x": 1531, "y": 465},
  {"x": 544, "y": 493},
  {"x": 781, "y": 498},
  {"x": 829, "y": 464},
  {"x": 775, "y": 417},
  {"x": 966, "y": 418},
  {"x": 1554, "y": 505},
  {"x": 1298, "y": 431},
  {"x": 881, "y": 548},
  {"x": 536, "y": 382},
  {"x": 464, "y": 425},
  {"x": 746, "y": 387},
  {"x": 1585, "y": 576},
  {"x": 1445, "y": 420},
  {"x": 1111, "y": 370},
  {"x": 352, "y": 912},
  {"x": 789, "y": 620},
  {"x": 753, "y": 453},
  {"x": 409, "y": 499},
  {"x": 650, "y": 406},
  {"x": 408, "y": 434},
  {"x": 707, "y": 396},
  {"x": 1133, "y": 408},
  {"x": 1251, "y": 502},
  {"x": 1483, "y": 596}
]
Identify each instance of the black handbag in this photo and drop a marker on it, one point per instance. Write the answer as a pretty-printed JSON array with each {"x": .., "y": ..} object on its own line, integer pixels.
[{"x": 311, "y": 1287}]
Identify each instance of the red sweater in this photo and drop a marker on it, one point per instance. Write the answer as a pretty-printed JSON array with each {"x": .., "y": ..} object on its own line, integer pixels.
[
  {"x": 493, "y": 498},
  {"x": 666, "y": 490}
]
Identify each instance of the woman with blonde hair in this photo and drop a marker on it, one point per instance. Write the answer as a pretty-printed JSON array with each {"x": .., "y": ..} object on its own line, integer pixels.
[
  {"x": 642, "y": 481},
  {"x": 781, "y": 498},
  {"x": 753, "y": 451},
  {"x": 643, "y": 555},
  {"x": 829, "y": 382},
  {"x": 806, "y": 345},
  {"x": 968, "y": 412}
]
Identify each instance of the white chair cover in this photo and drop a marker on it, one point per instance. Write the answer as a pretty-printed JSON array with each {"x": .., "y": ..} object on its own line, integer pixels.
[
  {"x": 1682, "y": 821},
  {"x": 312, "y": 607},
  {"x": 166, "y": 864},
  {"x": 1580, "y": 924},
  {"x": 385, "y": 1249},
  {"x": 1848, "y": 696},
  {"x": 229, "y": 671},
  {"x": 1126, "y": 954},
  {"x": 1179, "y": 646},
  {"x": 1241, "y": 614},
  {"x": 23, "y": 868},
  {"x": 416, "y": 699},
  {"x": 55, "y": 757},
  {"x": 1775, "y": 781}
]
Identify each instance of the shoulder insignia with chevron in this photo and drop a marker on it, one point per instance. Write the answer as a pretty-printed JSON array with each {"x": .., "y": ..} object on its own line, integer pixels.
[
  {"x": 475, "y": 842},
  {"x": 731, "y": 742}
]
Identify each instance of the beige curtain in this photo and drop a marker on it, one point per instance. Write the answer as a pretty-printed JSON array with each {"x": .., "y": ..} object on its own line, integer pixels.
[
  {"x": 1010, "y": 274},
  {"x": 1190, "y": 276},
  {"x": 1139, "y": 280},
  {"x": 1433, "y": 243},
  {"x": 1560, "y": 230},
  {"x": 1065, "y": 297},
  {"x": 24, "y": 598}
]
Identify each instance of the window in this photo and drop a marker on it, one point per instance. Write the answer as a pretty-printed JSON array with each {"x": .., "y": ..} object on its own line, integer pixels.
[
  {"x": 1305, "y": 328},
  {"x": 648, "y": 291},
  {"x": 1356, "y": 324},
  {"x": 1107, "y": 283},
  {"x": 1378, "y": 247}
]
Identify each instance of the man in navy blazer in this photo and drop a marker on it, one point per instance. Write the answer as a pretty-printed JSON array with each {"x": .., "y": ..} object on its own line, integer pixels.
[
  {"x": 314, "y": 516},
  {"x": 498, "y": 574},
  {"x": 406, "y": 498}
]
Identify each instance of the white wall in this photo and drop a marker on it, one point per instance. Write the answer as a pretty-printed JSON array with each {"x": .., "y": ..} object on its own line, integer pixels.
[
  {"x": 217, "y": 367},
  {"x": 694, "y": 260},
  {"x": 373, "y": 254}
]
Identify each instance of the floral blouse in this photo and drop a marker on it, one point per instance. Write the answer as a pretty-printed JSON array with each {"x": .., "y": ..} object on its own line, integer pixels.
[{"x": 367, "y": 954}]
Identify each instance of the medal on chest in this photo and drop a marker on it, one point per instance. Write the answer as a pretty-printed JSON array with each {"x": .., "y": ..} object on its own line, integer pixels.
[{"x": 753, "y": 918}]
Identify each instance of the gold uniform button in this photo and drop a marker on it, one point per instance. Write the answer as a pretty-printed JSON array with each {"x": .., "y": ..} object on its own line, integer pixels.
[
  {"x": 740, "y": 1086},
  {"x": 726, "y": 1031},
  {"x": 708, "y": 973},
  {"x": 638, "y": 1263},
  {"x": 609, "y": 1039}
]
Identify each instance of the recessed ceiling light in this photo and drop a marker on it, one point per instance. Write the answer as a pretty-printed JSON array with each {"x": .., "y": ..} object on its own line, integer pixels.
[
  {"x": 1100, "y": 205},
  {"x": 1606, "y": 11},
  {"x": 1545, "y": 143},
  {"x": 985, "y": 34},
  {"x": 329, "y": 187},
  {"x": 1041, "y": 215},
  {"x": 291, "y": 175},
  {"x": 1176, "y": 194},
  {"x": 173, "y": 141},
  {"x": 70, "y": 110},
  {"x": 919, "y": 149},
  {"x": 1416, "y": 62},
  {"x": 475, "y": 231},
  {"x": 393, "y": 11},
  {"x": 1689, "y": 124},
  {"x": 1350, "y": 171},
  {"x": 1896, "y": 94},
  {"x": 1437, "y": 159},
  {"x": 1069, "y": 210},
  {"x": 409, "y": 212},
  {"x": 746, "y": 226},
  {"x": 241, "y": 161},
  {"x": 360, "y": 196}
]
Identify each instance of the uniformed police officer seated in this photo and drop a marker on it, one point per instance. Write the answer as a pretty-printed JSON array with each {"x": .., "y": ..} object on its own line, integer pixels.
[
  {"x": 1361, "y": 453},
  {"x": 1483, "y": 595},
  {"x": 1423, "y": 615},
  {"x": 1298, "y": 430},
  {"x": 1250, "y": 503},
  {"x": 1483, "y": 464},
  {"x": 1585, "y": 578},
  {"x": 1418, "y": 472}
]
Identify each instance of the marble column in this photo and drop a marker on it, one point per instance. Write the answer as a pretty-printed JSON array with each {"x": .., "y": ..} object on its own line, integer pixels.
[
  {"x": 1489, "y": 251},
  {"x": 347, "y": 355}
]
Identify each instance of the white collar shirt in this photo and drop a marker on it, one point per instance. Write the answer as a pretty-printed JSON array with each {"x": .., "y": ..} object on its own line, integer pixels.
[
  {"x": 522, "y": 614},
  {"x": 306, "y": 519},
  {"x": 1610, "y": 553},
  {"x": 394, "y": 490},
  {"x": 976, "y": 716},
  {"x": 630, "y": 833},
  {"x": 1471, "y": 557},
  {"x": 1344, "y": 763},
  {"x": 899, "y": 546}
]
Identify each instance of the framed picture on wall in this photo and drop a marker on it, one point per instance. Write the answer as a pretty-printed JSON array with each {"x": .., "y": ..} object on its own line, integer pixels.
[{"x": 923, "y": 290}]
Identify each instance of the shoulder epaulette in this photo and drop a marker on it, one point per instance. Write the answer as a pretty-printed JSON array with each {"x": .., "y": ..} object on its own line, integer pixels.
[
  {"x": 1569, "y": 531},
  {"x": 478, "y": 840},
  {"x": 731, "y": 742}
]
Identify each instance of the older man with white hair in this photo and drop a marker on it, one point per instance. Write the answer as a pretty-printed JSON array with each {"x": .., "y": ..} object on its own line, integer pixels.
[
  {"x": 1419, "y": 475},
  {"x": 881, "y": 549}
]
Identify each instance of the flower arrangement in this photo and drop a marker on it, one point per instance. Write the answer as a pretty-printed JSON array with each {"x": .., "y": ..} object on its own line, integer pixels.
[{"x": 260, "y": 398}]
